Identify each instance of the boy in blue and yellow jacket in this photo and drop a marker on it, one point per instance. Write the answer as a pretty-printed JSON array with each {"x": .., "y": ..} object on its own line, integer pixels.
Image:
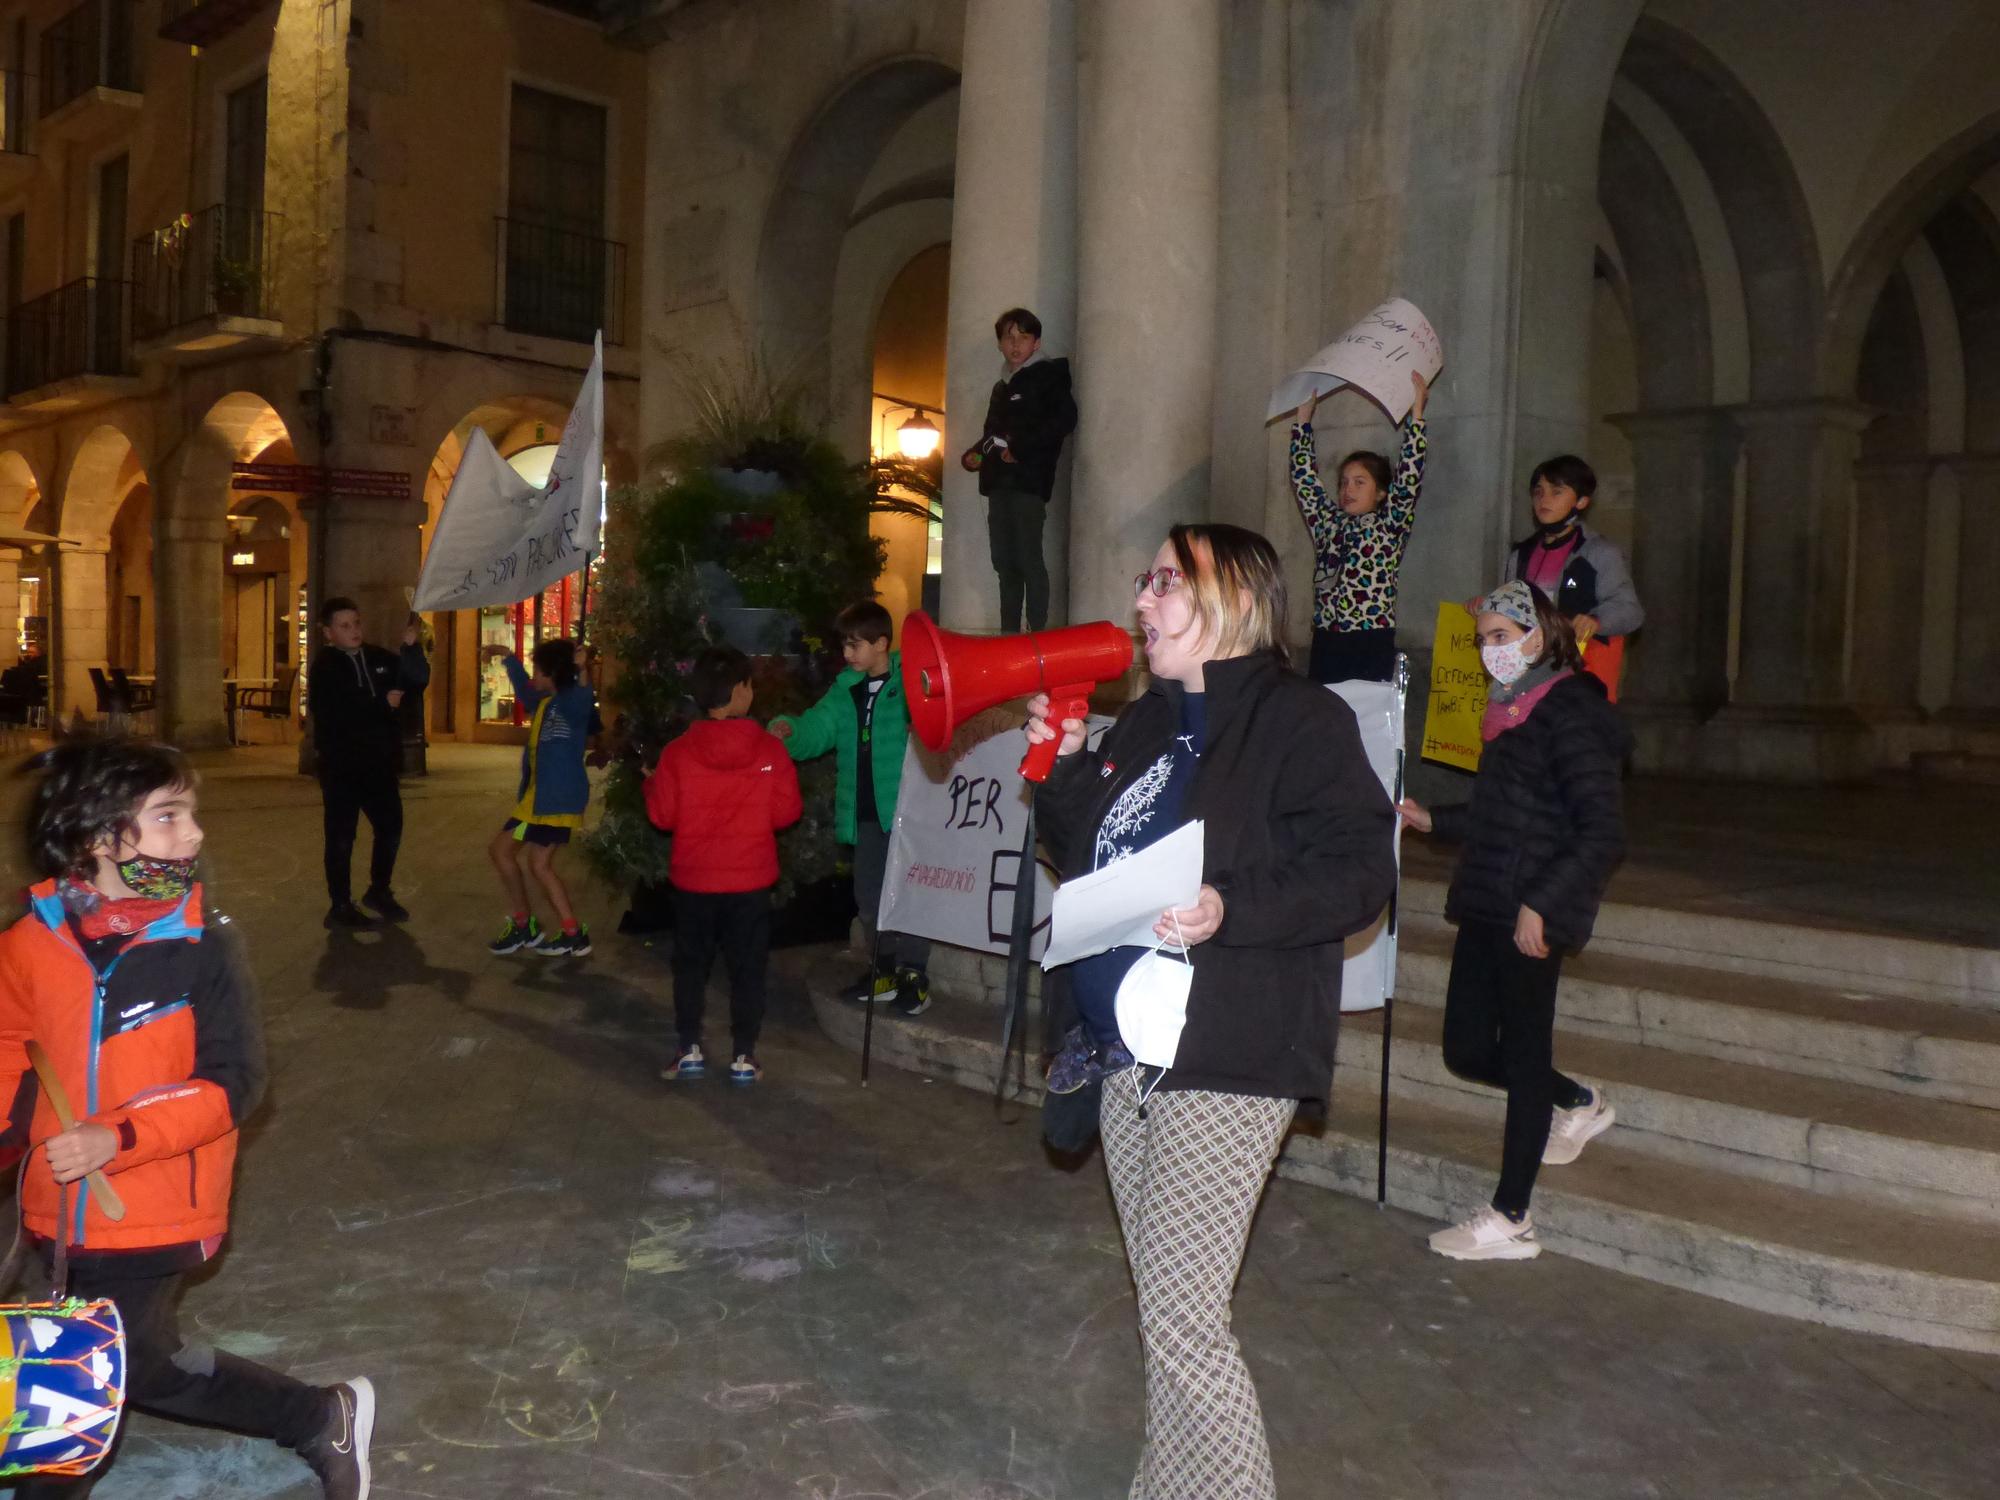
[
  {"x": 143, "y": 1006},
  {"x": 865, "y": 721},
  {"x": 549, "y": 807}
]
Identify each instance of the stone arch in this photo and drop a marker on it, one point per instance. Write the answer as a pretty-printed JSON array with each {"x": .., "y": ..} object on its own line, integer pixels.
[
  {"x": 1878, "y": 248},
  {"x": 1965, "y": 238},
  {"x": 100, "y": 473},
  {"x": 21, "y": 497},
  {"x": 813, "y": 205},
  {"x": 1762, "y": 201},
  {"x": 1665, "y": 297}
]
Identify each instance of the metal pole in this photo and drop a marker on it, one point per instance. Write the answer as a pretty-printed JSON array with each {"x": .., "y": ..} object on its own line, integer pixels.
[{"x": 1020, "y": 938}]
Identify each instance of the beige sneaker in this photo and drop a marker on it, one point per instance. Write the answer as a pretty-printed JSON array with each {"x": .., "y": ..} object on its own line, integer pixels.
[
  {"x": 1573, "y": 1129},
  {"x": 1489, "y": 1235}
]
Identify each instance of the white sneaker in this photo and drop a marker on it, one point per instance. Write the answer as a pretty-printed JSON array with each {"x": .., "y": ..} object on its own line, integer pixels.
[
  {"x": 1489, "y": 1235},
  {"x": 1573, "y": 1129}
]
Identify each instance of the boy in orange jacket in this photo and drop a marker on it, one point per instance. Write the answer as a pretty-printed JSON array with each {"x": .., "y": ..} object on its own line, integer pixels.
[{"x": 148, "y": 1018}]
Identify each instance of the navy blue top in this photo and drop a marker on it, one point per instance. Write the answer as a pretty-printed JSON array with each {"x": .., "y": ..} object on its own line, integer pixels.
[{"x": 1148, "y": 810}]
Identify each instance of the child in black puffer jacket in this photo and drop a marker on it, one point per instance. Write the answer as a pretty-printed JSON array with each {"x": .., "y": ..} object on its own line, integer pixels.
[{"x": 1542, "y": 834}]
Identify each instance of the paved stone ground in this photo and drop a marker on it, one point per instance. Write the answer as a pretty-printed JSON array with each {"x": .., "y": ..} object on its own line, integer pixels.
[{"x": 570, "y": 1280}]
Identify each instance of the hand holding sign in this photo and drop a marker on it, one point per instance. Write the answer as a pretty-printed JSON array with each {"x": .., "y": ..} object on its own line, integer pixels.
[{"x": 1376, "y": 356}]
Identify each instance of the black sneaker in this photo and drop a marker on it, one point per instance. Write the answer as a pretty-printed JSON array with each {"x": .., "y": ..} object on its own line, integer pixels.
[
  {"x": 347, "y": 914},
  {"x": 874, "y": 984},
  {"x": 566, "y": 944},
  {"x": 515, "y": 936},
  {"x": 913, "y": 991},
  {"x": 385, "y": 905},
  {"x": 338, "y": 1452}
]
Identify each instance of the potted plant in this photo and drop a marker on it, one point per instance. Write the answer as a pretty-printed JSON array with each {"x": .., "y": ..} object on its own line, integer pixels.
[{"x": 233, "y": 285}]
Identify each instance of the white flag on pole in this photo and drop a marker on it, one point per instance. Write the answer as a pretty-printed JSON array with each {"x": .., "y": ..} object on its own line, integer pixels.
[{"x": 500, "y": 539}]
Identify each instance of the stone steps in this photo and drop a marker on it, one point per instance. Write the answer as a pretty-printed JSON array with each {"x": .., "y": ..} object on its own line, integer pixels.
[
  {"x": 1901, "y": 1152},
  {"x": 1840, "y": 960},
  {"x": 1929, "y": 1048},
  {"x": 1780, "y": 1247}
]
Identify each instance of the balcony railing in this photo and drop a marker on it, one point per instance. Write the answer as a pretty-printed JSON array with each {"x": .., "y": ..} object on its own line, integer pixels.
[
  {"x": 220, "y": 262},
  {"x": 84, "y": 328},
  {"x": 557, "y": 284},
  {"x": 89, "y": 47},
  {"x": 17, "y": 108},
  {"x": 202, "y": 23}
]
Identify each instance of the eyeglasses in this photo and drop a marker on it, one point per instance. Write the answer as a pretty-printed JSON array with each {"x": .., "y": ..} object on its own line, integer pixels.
[{"x": 1162, "y": 581}]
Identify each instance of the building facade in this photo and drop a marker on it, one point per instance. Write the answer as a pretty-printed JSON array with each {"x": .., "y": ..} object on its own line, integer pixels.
[
  {"x": 1744, "y": 256},
  {"x": 266, "y": 263}
]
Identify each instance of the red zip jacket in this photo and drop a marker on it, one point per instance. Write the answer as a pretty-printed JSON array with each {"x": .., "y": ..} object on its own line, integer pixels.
[
  {"x": 724, "y": 789},
  {"x": 164, "y": 1048}
]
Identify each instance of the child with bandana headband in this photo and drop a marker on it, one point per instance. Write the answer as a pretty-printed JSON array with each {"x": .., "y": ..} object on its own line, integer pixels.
[
  {"x": 143, "y": 1005},
  {"x": 1543, "y": 832}
]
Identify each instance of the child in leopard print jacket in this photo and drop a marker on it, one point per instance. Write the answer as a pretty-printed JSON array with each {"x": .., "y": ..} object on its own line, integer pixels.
[{"x": 1358, "y": 539}]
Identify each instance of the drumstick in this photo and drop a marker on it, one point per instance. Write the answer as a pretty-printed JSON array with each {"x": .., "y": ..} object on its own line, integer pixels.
[{"x": 107, "y": 1196}]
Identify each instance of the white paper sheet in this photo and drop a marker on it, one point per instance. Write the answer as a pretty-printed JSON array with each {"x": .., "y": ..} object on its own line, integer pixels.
[{"x": 1118, "y": 905}]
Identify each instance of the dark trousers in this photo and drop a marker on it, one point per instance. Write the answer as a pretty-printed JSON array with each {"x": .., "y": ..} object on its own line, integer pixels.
[
  {"x": 173, "y": 1378},
  {"x": 871, "y": 863},
  {"x": 1014, "y": 521},
  {"x": 349, "y": 795},
  {"x": 739, "y": 924},
  {"x": 1354, "y": 655},
  {"x": 1499, "y": 1030}
]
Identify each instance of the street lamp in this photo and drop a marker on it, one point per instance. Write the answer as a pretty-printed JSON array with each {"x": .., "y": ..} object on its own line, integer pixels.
[{"x": 918, "y": 438}]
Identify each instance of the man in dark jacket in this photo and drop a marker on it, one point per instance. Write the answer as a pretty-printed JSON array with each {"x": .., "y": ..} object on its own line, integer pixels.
[
  {"x": 1029, "y": 414},
  {"x": 352, "y": 696}
]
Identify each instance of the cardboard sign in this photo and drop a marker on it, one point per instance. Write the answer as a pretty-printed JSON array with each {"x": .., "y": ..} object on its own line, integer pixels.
[
  {"x": 1368, "y": 977},
  {"x": 955, "y": 851},
  {"x": 500, "y": 539},
  {"x": 1458, "y": 691},
  {"x": 1375, "y": 357}
]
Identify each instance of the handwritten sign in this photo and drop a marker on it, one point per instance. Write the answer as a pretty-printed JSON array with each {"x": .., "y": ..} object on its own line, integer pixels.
[
  {"x": 955, "y": 851},
  {"x": 1458, "y": 691},
  {"x": 500, "y": 539},
  {"x": 1375, "y": 357}
]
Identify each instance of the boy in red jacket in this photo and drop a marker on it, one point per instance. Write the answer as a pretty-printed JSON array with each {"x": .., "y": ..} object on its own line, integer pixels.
[
  {"x": 150, "y": 1024},
  {"x": 723, "y": 789}
]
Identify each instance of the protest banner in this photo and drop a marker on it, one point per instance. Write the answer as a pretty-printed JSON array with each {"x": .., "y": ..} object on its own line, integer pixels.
[
  {"x": 955, "y": 851},
  {"x": 1368, "y": 976},
  {"x": 1375, "y": 357},
  {"x": 500, "y": 539},
  {"x": 1458, "y": 691}
]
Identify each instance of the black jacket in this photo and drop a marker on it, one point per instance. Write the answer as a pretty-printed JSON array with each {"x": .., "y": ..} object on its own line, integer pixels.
[
  {"x": 354, "y": 729},
  {"x": 1034, "y": 411},
  {"x": 1298, "y": 843},
  {"x": 1546, "y": 824}
]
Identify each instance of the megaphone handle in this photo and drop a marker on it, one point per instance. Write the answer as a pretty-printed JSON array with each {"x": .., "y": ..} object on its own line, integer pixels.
[{"x": 1072, "y": 702}]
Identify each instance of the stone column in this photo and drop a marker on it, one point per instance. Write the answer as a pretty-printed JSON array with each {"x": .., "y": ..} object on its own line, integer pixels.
[
  {"x": 187, "y": 583},
  {"x": 1798, "y": 552},
  {"x": 1684, "y": 466},
  {"x": 374, "y": 550},
  {"x": 1013, "y": 244},
  {"x": 1148, "y": 194},
  {"x": 85, "y": 638},
  {"x": 10, "y": 621},
  {"x": 1889, "y": 593},
  {"x": 1975, "y": 690}
]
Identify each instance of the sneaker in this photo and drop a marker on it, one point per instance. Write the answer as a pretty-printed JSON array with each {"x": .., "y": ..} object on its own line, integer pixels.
[
  {"x": 565, "y": 944},
  {"x": 690, "y": 1064},
  {"x": 1489, "y": 1235},
  {"x": 347, "y": 914},
  {"x": 913, "y": 991},
  {"x": 514, "y": 937},
  {"x": 874, "y": 984},
  {"x": 385, "y": 905},
  {"x": 1576, "y": 1128},
  {"x": 338, "y": 1452},
  {"x": 744, "y": 1069}
]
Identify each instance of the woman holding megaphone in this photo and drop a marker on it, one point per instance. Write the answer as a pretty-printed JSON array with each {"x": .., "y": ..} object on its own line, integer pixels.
[{"x": 1297, "y": 856}]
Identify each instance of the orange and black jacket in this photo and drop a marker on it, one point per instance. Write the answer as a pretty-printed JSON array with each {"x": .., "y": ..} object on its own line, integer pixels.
[{"x": 162, "y": 1044}]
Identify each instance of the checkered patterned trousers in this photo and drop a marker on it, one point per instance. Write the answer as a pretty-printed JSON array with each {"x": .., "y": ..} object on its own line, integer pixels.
[{"x": 1186, "y": 1179}]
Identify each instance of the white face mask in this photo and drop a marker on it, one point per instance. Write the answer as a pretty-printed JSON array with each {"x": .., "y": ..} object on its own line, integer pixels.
[
  {"x": 1509, "y": 662},
  {"x": 1152, "y": 1004}
]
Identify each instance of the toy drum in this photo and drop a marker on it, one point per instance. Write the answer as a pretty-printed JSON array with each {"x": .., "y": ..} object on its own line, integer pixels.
[{"x": 62, "y": 1385}]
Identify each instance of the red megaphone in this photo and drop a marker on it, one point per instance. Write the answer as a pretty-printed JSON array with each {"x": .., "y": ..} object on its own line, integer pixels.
[{"x": 947, "y": 678}]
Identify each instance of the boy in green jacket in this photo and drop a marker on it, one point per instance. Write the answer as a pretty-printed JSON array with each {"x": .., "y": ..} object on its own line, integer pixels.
[{"x": 865, "y": 721}]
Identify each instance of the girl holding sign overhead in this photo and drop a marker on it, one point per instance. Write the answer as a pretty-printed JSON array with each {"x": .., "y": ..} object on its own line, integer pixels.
[
  {"x": 1359, "y": 534},
  {"x": 1296, "y": 856},
  {"x": 1542, "y": 834}
]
